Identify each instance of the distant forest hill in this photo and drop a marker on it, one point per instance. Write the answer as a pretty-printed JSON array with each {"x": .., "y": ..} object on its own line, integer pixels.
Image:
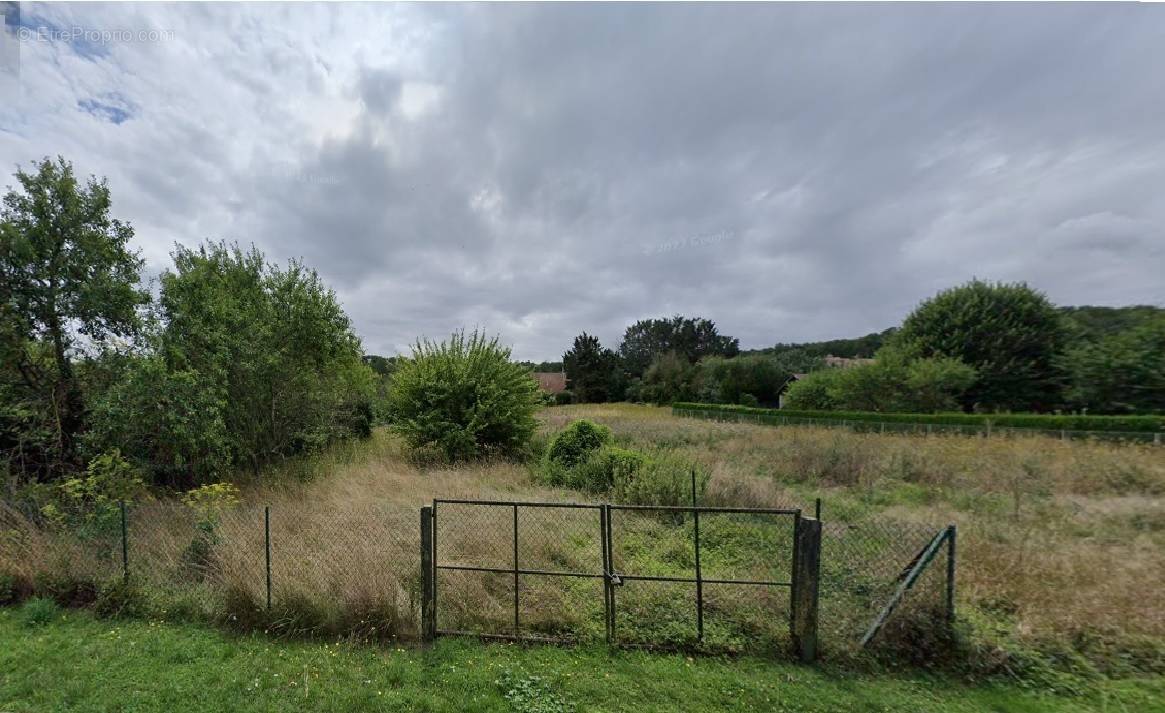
[{"x": 1087, "y": 322}]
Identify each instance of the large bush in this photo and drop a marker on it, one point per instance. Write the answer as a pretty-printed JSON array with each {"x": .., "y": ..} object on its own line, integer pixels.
[
  {"x": 464, "y": 398},
  {"x": 892, "y": 383},
  {"x": 671, "y": 377},
  {"x": 573, "y": 444},
  {"x": 735, "y": 380},
  {"x": 247, "y": 363},
  {"x": 1009, "y": 333}
]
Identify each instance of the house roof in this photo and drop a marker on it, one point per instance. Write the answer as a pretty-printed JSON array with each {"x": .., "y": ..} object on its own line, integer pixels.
[{"x": 553, "y": 382}]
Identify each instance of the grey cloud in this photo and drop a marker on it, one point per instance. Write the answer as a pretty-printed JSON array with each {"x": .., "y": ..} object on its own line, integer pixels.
[{"x": 538, "y": 170}]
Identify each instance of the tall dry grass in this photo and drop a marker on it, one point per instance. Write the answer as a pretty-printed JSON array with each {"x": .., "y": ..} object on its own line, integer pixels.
[{"x": 1059, "y": 542}]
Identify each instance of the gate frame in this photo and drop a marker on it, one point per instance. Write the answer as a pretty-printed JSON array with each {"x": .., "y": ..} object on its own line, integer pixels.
[{"x": 803, "y": 585}]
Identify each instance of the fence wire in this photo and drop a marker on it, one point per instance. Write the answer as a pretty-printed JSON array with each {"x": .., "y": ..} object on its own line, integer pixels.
[{"x": 357, "y": 570}]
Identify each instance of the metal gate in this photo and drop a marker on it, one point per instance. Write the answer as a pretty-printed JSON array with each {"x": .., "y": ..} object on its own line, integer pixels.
[{"x": 515, "y": 550}]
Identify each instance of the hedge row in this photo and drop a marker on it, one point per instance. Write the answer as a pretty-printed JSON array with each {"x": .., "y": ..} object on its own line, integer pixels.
[{"x": 1141, "y": 424}]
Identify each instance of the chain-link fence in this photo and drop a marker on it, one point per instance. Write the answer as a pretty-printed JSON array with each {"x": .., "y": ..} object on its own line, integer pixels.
[
  {"x": 636, "y": 576},
  {"x": 863, "y": 565}
]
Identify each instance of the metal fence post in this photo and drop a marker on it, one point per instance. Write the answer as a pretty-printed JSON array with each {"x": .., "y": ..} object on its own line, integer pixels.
[
  {"x": 517, "y": 623},
  {"x": 699, "y": 577},
  {"x": 124, "y": 544},
  {"x": 606, "y": 557},
  {"x": 806, "y": 583},
  {"x": 267, "y": 549},
  {"x": 951, "y": 539},
  {"x": 427, "y": 575}
]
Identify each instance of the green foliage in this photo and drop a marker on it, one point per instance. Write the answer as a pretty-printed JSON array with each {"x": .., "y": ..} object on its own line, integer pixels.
[
  {"x": 602, "y": 469},
  {"x": 660, "y": 478},
  {"x": 692, "y": 339},
  {"x": 274, "y": 352},
  {"x": 728, "y": 380},
  {"x": 119, "y": 599},
  {"x": 563, "y": 398},
  {"x": 89, "y": 504},
  {"x": 67, "y": 278},
  {"x": 463, "y": 397},
  {"x": 531, "y": 694},
  {"x": 1009, "y": 333},
  {"x": 170, "y": 422},
  {"x": 1089, "y": 324},
  {"x": 593, "y": 373},
  {"x": 1115, "y": 424},
  {"x": 891, "y": 383},
  {"x": 39, "y": 611},
  {"x": 670, "y": 377},
  {"x": 1121, "y": 372},
  {"x": 865, "y": 347},
  {"x": 573, "y": 444},
  {"x": 9, "y": 589}
]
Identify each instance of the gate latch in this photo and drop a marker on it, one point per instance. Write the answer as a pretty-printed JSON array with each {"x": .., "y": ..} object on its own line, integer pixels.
[{"x": 614, "y": 579}]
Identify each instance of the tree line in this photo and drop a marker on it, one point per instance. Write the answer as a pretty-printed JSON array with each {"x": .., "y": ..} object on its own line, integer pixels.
[
  {"x": 978, "y": 347},
  {"x": 226, "y": 362}
]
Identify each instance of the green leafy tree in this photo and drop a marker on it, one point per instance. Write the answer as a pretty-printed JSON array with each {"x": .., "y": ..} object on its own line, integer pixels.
[
  {"x": 169, "y": 422},
  {"x": 892, "y": 383},
  {"x": 733, "y": 380},
  {"x": 464, "y": 398},
  {"x": 690, "y": 338},
  {"x": 1009, "y": 333},
  {"x": 1122, "y": 372},
  {"x": 272, "y": 348},
  {"x": 68, "y": 280},
  {"x": 671, "y": 378},
  {"x": 592, "y": 372}
]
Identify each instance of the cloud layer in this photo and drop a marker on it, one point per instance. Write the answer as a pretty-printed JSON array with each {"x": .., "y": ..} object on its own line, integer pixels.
[{"x": 791, "y": 172}]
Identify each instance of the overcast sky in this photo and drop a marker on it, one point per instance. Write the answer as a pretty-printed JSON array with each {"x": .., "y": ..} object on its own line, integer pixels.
[{"x": 791, "y": 172}]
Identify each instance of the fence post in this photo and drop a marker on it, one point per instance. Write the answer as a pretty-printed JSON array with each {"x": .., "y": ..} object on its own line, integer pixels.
[
  {"x": 699, "y": 575},
  {"x": 1156, "y": 439},
  {"x": 267, "y": 549},
  {"x": 806, "y": 576},
  {"x": 428, "y": 627},
  {"x": 124, "y": 544},
  {"x": 951, "y": 533}
]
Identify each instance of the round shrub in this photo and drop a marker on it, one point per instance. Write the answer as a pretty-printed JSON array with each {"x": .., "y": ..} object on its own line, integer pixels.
[
  {"x": 464, "y": 398},
  {"x": 563, "y": 398},
  {"x": 576, "y": 442},
  {"x": 662, "y": 478},
  {"x": 605, "y": 467}
]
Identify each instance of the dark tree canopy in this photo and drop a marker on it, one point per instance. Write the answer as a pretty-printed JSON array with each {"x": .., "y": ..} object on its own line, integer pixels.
[
  {"x": 592, "y": 372},
  {"x": 688, "y": 338},
  {"x": 1009, "y": 333},
  {"x": 1121, "y": 373},
  {"x": 67, "y": 280}
]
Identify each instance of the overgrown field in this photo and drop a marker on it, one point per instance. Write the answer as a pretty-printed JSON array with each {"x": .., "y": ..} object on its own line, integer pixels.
[
  {"x": 1061, "y": 547},
  {"x": 72, "y": 662}
]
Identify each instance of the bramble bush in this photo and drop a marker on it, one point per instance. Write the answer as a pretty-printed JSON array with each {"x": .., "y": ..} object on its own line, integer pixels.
[
  {"x": 581, "y": 457},
  {"x": 463, "y": 398}
]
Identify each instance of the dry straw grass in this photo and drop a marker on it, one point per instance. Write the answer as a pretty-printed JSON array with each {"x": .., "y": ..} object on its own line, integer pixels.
[{"x": 1058, "y": 540}]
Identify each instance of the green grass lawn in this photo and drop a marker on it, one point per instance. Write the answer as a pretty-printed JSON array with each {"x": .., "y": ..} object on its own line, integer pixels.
[{"x": 73, "y": 661}]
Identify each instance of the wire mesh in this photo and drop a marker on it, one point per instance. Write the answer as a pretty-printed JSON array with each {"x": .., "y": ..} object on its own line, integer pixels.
[{"x": 862, "y": 565}]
